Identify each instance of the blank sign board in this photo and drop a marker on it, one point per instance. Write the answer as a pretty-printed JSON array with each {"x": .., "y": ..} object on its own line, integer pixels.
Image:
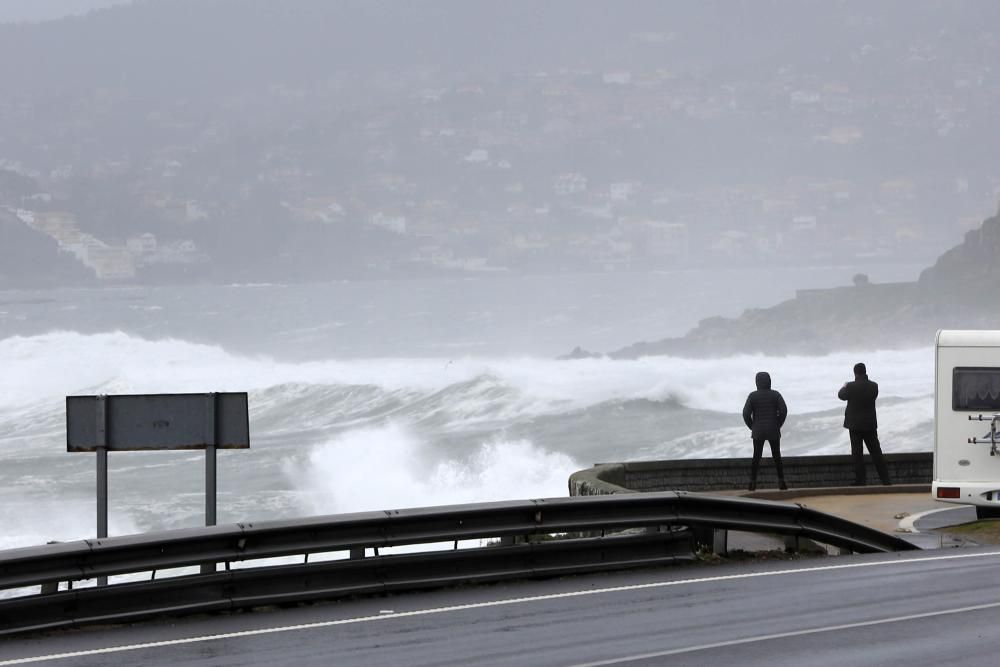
[{"x": 157, "y": 421}]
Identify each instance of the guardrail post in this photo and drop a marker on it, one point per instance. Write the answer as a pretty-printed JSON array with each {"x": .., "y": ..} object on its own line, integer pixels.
[
  {"x": 720, "y": 541},
  {"x": 211, "y": 476},
  {"x": 53, "y": 586},
  {"x": 714, "y": 539}
]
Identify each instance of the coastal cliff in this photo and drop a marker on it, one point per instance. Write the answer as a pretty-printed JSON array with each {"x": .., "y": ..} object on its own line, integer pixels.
[{"x": 957, "y": 292}]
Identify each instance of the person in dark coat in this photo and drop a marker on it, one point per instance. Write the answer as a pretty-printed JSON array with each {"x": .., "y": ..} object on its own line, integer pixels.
[
  {"x": 862, "y": 424},
  {"x": 764, "y": 414}
]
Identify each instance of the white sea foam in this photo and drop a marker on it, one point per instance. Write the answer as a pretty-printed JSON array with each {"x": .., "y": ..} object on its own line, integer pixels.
[
  {"x": 48, "y": 367},
  {"x": 390, "y": 467},
  {"x": 33, "y": 522},
  {"x": 381, "y": 433},
  {"x": 904, "y": 426}
]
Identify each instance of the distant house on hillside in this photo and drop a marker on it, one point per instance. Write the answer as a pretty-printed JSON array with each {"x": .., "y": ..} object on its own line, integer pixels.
[
  {"x": 569, "y": 184},
  {"x": 143, "y": 245},
  {"x": 623, "y": 192},
  {"x": 620, "y": 78},
  {"x": 656, "y": 238},
  {"x": 392, "y": 223},
  {"x": 110, "y": 262}
]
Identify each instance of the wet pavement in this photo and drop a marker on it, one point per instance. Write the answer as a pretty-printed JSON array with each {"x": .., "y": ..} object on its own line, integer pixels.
[
  {"x": 907, "y": 511},
  {"x": 916, "y": 517}
]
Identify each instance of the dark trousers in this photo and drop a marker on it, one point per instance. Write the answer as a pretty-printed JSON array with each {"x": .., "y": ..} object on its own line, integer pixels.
[
  {"x": 758, "y": 450},
  {"x": 870, "y": 439}
]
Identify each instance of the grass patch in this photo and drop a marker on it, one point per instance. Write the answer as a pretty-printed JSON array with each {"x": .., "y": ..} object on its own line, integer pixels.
[
  {"x": 705, "y": 557},
  {"x": 983, "y": 532}
]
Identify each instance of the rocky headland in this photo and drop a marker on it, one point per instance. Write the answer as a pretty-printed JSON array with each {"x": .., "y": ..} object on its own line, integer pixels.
[{"x": 960, "y": 291}]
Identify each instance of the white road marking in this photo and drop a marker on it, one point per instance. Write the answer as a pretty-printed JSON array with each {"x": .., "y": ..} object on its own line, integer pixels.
[
  {"x": 908, "y": 523},
  {"x": 498, "y": 603},
  {"x": 783, "y": 635}
]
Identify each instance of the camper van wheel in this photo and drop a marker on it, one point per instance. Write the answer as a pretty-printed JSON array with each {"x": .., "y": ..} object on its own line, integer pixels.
[{"x": 987, "y": 512}]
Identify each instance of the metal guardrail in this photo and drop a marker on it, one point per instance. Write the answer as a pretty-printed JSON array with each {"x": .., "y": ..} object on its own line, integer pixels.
[{"x": 584, "y": 523}]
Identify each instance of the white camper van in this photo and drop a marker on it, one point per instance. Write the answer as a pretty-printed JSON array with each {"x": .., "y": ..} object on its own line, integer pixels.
[{"x": 967, "y": 420}]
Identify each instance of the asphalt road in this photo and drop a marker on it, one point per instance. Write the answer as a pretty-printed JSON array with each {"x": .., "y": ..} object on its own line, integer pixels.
[{"x": 919, "y": 608}]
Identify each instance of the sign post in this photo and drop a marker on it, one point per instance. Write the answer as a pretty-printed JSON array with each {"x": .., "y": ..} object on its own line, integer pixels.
[
  {"x": 211, "y": 434},
  {"x": 145, "y": 422}
]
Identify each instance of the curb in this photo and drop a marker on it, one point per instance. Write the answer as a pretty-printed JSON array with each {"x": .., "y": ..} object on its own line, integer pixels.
[{"x": 789, "y": 494}]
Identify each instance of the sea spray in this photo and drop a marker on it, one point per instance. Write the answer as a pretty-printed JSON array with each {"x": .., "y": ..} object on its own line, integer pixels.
[
  {"x": 905, "y": 425},
  {"x": 390, "y": 468},
  {"x": 33, "y": 521},
  {"x": 53, "y": 365}
]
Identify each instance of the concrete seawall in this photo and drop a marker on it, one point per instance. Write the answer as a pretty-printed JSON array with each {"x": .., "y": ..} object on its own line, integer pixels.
[{"x": 734, "y": 474}]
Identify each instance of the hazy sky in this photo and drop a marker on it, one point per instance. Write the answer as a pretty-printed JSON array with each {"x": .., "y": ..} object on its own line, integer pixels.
[{"x": 44, "y": 10}]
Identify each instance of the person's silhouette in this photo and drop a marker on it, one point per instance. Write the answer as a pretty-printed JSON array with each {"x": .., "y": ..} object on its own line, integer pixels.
[
  {"x": 764, "y": 413},
  {"x": 862, "y": 424}
]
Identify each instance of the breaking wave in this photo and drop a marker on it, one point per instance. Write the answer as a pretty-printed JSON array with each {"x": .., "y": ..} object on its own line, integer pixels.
[
  {"x": 50, "y": 366},
  {"x": 336, "y": 435},
  {"x": 390, "y": 467}
]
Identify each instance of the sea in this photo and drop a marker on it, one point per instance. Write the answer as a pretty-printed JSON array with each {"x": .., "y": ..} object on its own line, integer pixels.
[{"x": 383, "y": 394}]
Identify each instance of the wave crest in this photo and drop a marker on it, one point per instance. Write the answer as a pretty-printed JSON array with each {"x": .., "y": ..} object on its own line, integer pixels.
[{"x": 390, "y": 467}]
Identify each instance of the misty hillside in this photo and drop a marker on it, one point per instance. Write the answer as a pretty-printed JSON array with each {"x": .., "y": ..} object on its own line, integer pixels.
[
  {"x": 170, "y": 140},
  {"x": 168, "y": 46},
  {"x": 957, "y": 292},
  {"x": 15, "y": 11}
]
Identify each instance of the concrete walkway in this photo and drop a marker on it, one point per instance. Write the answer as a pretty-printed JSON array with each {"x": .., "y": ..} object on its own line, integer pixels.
[
  {"x": 908, "y": 511},
  {"x": 898, "y": 513}
]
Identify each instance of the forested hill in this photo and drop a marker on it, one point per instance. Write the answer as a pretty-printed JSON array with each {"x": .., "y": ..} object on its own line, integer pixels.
[{"x": 968, "y": 273}]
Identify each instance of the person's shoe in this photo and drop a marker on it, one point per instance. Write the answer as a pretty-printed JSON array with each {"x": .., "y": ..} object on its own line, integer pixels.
[
  {"x": 782, "y": 486},
  {"x": 858, "y": 484},
  {"x": 752, "y": 487}
]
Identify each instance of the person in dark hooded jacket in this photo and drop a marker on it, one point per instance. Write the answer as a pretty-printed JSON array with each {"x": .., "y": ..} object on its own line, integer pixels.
[
  {"x": 862, "y": 423},
  {"x": 764, "y": 414}
]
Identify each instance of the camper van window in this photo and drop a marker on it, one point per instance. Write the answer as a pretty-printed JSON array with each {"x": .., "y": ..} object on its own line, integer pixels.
[{"x": 976, "y": 389}]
